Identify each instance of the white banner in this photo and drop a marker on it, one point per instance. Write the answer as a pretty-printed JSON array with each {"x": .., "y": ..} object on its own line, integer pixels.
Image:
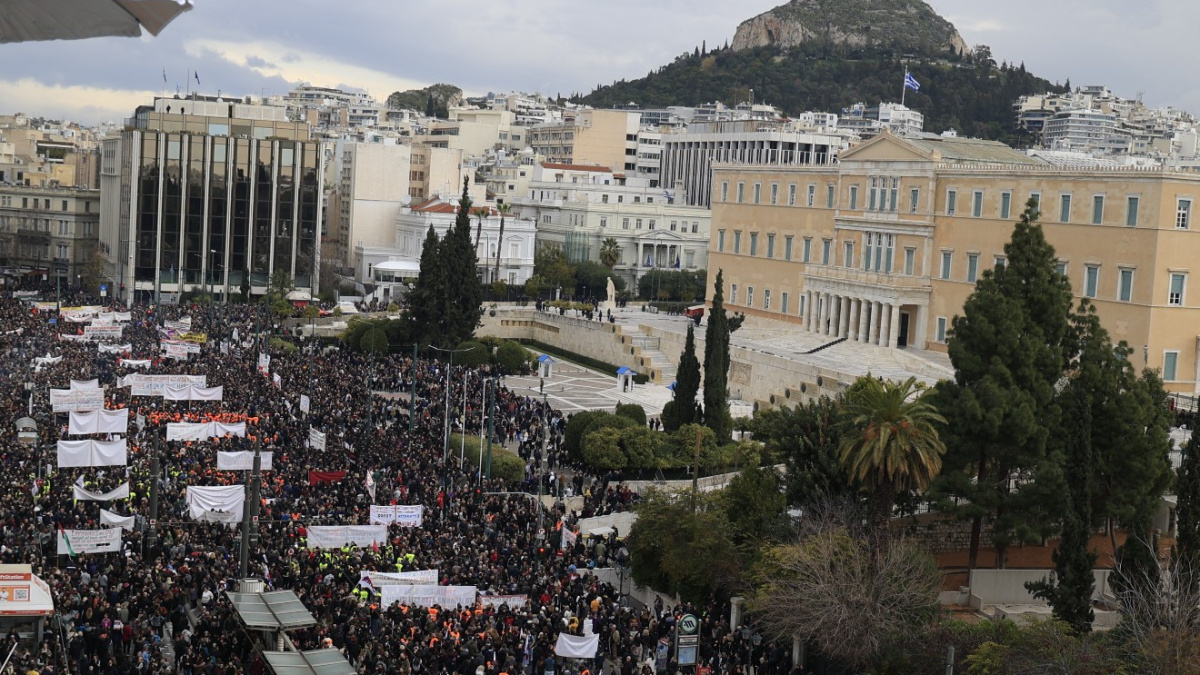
[
  {"x": 76, "y": 385},
  {"x": 417, "y": 578},
  {"x": 189, "y": 347},
  {"x": 305, "y": 403},
  {"x": 243, "y": 461},
  {"x": 264, "y": 363},
  {"x": 277, "y": 380},
  {"x": 47, "y": 360},
  {"x": 447, "y": 597},
  {"x": 66, "y": 400},
  {"x": 176, "y": 351},
  {"x": 182, "y": 325},
  {"x": 73, "y": 542},
  {"x": 99, "y": 422},
  {"x": 337, "y": 536},
  {"x": 193, "y": 393},
  {"x": 78, "y": 315},
  {"x": 513, "y": 601},
  {"x": 576, "y": 646},
  {"x": 316, "y": 439},
  {"x": 85, "y": 495},
  {"x": 201, "y": 431},
  {"x": 92, "y": 453},
  {"x": 217, "y": 504},
  {"x": 110, "y": 519},
  {"x": 111, "y": 332},
  {"x": 114, "y": 317},
  {"x": 153, "y": 385},
  {"x": 404, "y": 516},
  {"x": 134, "y": 363},
  {"x": 114, "y": 349}
]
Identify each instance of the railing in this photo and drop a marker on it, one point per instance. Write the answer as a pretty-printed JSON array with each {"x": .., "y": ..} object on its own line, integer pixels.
[{"x": 851, "y": 274}]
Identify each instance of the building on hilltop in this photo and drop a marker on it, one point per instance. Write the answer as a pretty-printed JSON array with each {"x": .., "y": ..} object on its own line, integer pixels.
[{"x": 885, "y": 247}]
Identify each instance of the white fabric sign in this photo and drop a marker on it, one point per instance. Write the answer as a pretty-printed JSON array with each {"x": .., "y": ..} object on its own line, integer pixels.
[
  {"x": 89, "y": 541},
  {"x": 47, "y": 360},
  {"x": 114, "y": 349},
  {"x": 76, "y": 385},
  {"x": 243, "y": 461},
  {"x": 99, "y": 422},
  {"x": 417, "y": 578},
  {"x": 111, "y": 332},
  {"x": 193, "y": 393},
  {"x": 447, "y": 597},
  {"x": 316, "y": 439},
  {"x": 277, "y": 381},
  {"x": 110, "y": 519},
  {"x": 305, "y": 403},
  {"x": 85, "y": 495},
  {"x": 189, "y": 347},
  {"x": 404, "y": 516},
  {"x": 577, "y": 647},
  {"x": 92, "y": 453},
  {"x": 337, "y": 536},
  {"x": 114, "y": 317},
  {"x": 217, "y": 504},
  {"x": 264, "y": 363},
  {"x": 153, "y": 385},
  {"x": 183, "y": 325},
  {"x": 200, "y": 431},
  {"x": 134, "y": 363},
  {"x": 66, "y": 400},
  {"x": 497, "y": 600},
  {"x": 176, "y": 351}
]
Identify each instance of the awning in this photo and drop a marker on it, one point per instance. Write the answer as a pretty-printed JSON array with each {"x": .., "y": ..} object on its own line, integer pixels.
[
  {"x": 22, "y": 593},
  {"x": 271, "y": 611},
  {"x": 314, "y": 662},
  {"x": 35, "y": 20}
]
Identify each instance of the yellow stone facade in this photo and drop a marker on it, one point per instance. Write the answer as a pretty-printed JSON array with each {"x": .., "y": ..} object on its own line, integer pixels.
[{"x": 884, "y": 247}]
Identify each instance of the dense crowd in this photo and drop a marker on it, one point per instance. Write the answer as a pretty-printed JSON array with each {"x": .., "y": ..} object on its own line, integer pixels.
[{"x": 159, "y": 604}]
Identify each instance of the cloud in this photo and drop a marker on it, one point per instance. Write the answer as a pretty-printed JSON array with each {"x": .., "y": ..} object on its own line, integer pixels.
[
  {"x": 71, "y": 102},
  {"x": 259, "y": 62},
  {"x": 977, "y": 25}
]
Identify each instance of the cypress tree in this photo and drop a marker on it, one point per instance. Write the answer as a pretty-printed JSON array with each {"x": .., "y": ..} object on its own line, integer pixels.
[
  {"x": 464, "y": 292},
  {"x": 687, "y": 385},
  {"x": 1187, "y": 517},
  {"x": 426, "y": 303},
  {"x": 716, "y": 365}
]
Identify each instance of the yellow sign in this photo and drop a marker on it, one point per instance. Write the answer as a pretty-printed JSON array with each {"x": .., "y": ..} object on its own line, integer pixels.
[{"x": 197, "y": 338}]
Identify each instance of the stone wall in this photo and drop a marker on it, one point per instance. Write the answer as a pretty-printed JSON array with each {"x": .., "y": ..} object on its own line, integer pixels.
[
  {"x": 602, "y": 341},
  {"x": 937, "y": 533}
]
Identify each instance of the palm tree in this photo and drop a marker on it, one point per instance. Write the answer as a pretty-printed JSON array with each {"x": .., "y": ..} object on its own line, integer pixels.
[
  {"x": 610, "y": 252},
  {"x": 890, "y": 441},
  {"x": 504, "y": 208}
]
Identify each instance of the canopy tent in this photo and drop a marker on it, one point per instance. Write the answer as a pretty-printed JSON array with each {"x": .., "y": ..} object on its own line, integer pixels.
[{"x": 35, "y": 20}]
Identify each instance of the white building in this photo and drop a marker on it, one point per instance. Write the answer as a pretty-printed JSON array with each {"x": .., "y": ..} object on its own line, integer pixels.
[
  {"x": 577, "y": 207},
  {"x": 373, "y": 186},
  {"x": 1085, "y": 130}
]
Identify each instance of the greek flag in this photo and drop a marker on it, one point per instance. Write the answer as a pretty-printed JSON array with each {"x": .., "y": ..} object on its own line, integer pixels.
[{"x": 911, "y": 82}]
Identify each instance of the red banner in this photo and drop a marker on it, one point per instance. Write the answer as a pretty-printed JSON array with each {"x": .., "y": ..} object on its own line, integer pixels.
[{"x": 319, "y": 477}]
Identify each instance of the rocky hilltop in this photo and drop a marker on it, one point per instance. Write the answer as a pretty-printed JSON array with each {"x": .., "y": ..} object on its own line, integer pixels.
[{"x": 908, "y": 26}]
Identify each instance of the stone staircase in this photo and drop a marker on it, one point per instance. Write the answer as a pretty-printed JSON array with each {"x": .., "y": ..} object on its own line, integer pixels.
[{"x": 650, "y": 360}]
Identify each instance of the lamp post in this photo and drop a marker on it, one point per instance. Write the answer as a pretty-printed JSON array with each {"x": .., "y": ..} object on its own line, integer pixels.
[
  {"x": 542, "y": 474},
  {"x": 250, "y": 515},
  {"x": 752, "y": 640},
  {"x": 446, "y": 423}
]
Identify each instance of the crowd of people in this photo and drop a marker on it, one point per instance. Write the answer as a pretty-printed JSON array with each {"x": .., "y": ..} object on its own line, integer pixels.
[{"x": 159, "y": 605}]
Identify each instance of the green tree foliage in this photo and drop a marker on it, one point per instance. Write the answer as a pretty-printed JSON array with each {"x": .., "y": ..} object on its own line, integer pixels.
[
  {"x": 374, "y": 341},
  {"x": 681, "y": 543},
  {"x": 673, "y": 285},
  {"x": 464, "y": 299},
  {"x": 1008, "y": 349},
  {"x": 755, "y": 507},
  {"x": 807, "y": 437},
  {"x": 716, "y": 365},
  {"x": 478, "y": 354},
  {"x": 504, "y": 209},
  {"x": 633, "y": 411},
  {"x": 427, "y": 301},
  {"x": 602, "y": 449},
  {"x": 1187, "y": 517},
  {"x": 505, "y": 465},
  {"x": 1070, "y": 591},
  {"x": 642, "y": 447},
  {"x": 510, "y": 355},
  {"x": 395, "y": 332},
  {"x": 591, "y": 278},
  {"x": 890, "y": 441},
  {"x": 610, "y": 252},
  {"x": 683, "y": 408},
  {"x": 551, "y": 267},
  {"x": 277, "y": 292},
  {"x": 975, "y": 101},
  {"x": 582, "y": 423}
]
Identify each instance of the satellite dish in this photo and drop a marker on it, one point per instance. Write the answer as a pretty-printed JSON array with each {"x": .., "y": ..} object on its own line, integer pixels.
[{"x": 406, "y": 200}]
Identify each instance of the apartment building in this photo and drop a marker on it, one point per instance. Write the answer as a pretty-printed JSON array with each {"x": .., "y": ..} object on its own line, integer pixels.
[
  {"x": 885, "y": 247},
  {"x": 48, "y": 233},
  {"x": 606, "y": 138}
]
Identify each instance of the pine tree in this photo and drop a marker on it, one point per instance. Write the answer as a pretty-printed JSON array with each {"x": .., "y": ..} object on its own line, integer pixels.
[
  {"x": 426, "y": 303},
  {"x": 464, "y": 292},
  {"x": 1187, "y": 517},
  {"x": 687, "y": 385},
  {"x": 716, "y": 365}
]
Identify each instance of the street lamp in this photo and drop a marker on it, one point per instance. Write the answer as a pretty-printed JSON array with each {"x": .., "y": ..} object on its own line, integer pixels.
[
  {"x": 446, "y": 423},
  {"x": 752, "y": 640}
]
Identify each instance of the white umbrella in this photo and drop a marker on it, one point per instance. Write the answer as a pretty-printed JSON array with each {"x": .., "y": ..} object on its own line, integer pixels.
[{"x": 32, "y": 20}]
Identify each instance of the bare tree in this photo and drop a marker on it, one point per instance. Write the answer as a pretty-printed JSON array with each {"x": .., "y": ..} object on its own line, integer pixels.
[{"x": 1160, "y": 620}]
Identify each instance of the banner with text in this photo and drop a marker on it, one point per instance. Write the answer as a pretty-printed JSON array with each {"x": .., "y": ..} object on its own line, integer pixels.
[
  {"x": 67, "y": 400},
  {"x": 404, "y": 516},
  {"x": 153, "y": 385},
  {"x": 447, "y": 597},
  {"x": 243, "y": 461},
  {"x": 85, "y": 495},
  {"x": 73, "y": 542},
  {"x": 337, "y": 536},
  {"x": 417, "y": 578}
]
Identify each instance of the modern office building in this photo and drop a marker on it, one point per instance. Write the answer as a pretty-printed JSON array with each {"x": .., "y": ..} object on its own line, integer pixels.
[
  {"x": 207, "y": 194},
  {"x": 885, "y": 247}
]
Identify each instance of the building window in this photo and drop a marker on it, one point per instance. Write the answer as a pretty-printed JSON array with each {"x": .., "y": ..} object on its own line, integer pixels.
[
  {"x": 733, "y": 294},
  {"x": 62, "y": 228},
  {"x": 914, "y": 199},
  {"x": 1175, "y": 292},
  {"x": 874, "y": 191},
  {"x": 638, "y": 223},
  {"x": 674, "y": 225},
  {"x": 947, "y": 259},
  {"x": 803, "y": 305},
  {"x": 998, "y": 262},
  {"x": 1061, "y": 268},
  {"x": 725, "y": 191},
  {"x": 977, "y": 204},
  {"x": 877, "y": 251},
  {"x": 787, "y": 248},
  {"x": 720, "y": 241},
  {"x": 1183, "y": 214},
  {"x": 826, "y": 250},
  {"x": 1064, "y": 209},
  {"x": 757, "y": 193},
  {"x": 812, "y": 195},
  {"x": 651, "y": 223},
  {"x": 1125, "y": 285},
  {"x": 895, "y": 195},
  {"x": 766, "y": 298},
  {"x": 624, "y": 223},
  {"x": 853, "y": 197},
  {"x": 1131, "y": 212},
  {"x": 951, "y": 201},
  {"x": 829, "y": 197},
  {"x": 749, "y": 296},
  {"x": 774, "y": 194},
  {"x": 806, "y": 252},
  {"x": 603, "y": 221},
  {"x": 1005, "y": 205},
  {"x": 783, "y": 303},
  {"x": 771, "y": 246},
  {"x": 941, "y": 330},
  {"x": 695, "y": 227},
  {"x": 753, "y": 243},
  {"x": 1170, "y": 365},
  {"x": 792, "y": 194},
  {"x": 1097, "y": 209},
  {"x": 737, "y": 241},
  {"x": 1091, "y": 280},
  {"x": 910, "y": 260},
  {"x": 741, "y": 193},
  {"x": 972, "y": 267}
]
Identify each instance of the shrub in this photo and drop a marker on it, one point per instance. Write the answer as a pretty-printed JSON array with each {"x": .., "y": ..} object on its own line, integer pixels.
[
  {"x": 602, "y": 449},
  {"x": 478, "y": 355},
  {"x": 633, "y": 411},
  {"x": 679, "y": 447},
  {"x": 573, "y": 435},
  {"x": 510, "y": 355},
  {"x": 280, "y": 345},
  {"x": 505, "y": 465},
  {"x": 641, "y": 447}
]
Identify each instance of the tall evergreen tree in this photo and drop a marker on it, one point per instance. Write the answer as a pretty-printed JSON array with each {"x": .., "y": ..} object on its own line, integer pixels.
[
  {"x": 1187, "y": 517},
  {"x": 687, "y": 385},
  {"x": 716, "y": 365},
  {"x": 1009, "y": 348},
  {"x": 1070, "y": 591},
  {"x": 426, "y": 303},
  {"x": 464, "y": 291}
]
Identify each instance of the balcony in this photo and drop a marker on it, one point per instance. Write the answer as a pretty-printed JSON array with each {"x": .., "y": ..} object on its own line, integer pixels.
[
  {"x": 37, "y": 235},
  {"x": 850, "y": 275}
]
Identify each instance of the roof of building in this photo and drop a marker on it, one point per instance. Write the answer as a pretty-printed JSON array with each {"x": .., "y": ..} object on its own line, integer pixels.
[
  {"x": 577, "y": 167},
  {"x": 398, "y": 266},
  {"x": 957, "y": 149},
  {"x": 435, "y": 205}
]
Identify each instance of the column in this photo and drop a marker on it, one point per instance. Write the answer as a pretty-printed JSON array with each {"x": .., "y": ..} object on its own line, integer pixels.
[
  {"x": 844, "y": 325},
  {"x": 920, "y": 330},
  {"x": 808, "y": 311},
  {"x": 873, "y": 337},
  {"x": 827, "y": 317},
  {"x": 885, "y": 324},
  {"x": 835, "y": 307},
  {"x": 855, "y": 318},
  {"x": 894, "y": 333},
  {"x": 864, "y": 319}
]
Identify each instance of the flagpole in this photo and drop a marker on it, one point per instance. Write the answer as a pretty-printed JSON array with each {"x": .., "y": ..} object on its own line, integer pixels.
[{"x": 904, "y": 85}]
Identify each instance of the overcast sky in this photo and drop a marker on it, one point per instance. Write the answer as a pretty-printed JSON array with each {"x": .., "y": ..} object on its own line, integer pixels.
[{"x": 549, "y": 46}]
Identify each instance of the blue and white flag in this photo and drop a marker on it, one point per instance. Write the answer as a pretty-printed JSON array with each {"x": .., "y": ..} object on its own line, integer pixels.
[
  {"x": 649, "y": 262},
  {"x": 910, "y": 82}
]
